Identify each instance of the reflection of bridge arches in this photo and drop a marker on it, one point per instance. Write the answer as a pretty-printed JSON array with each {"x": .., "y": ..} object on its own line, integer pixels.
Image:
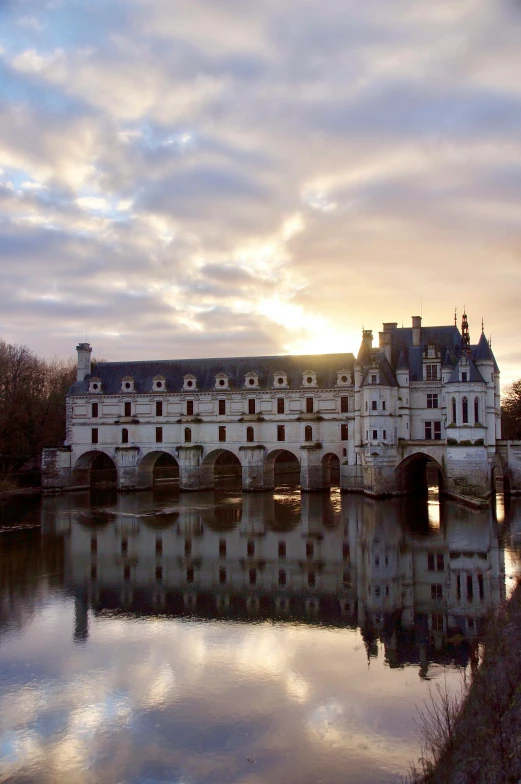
[
  {"x": 156, "y": 466},
  {"x": 220, "y": 465},
  {"x": 94, "y": 468},
  {"x": 418, "y": 472},
  {"x": 330, "y": 470}
]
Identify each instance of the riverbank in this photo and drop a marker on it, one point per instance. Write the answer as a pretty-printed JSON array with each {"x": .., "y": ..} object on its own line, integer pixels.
[{"x": 478, "y": 741}]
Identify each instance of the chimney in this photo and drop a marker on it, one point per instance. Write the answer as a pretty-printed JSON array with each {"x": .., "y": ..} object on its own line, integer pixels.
[
  {"x": 84, "y": 351},
  {"x": 367, "y": 338},
  {"x": 385, "y": 342},
  {"x": 416, "y": 330}
]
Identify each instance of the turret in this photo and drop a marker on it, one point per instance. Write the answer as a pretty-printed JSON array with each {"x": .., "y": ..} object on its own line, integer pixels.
[{"x": 83, "y": 369}]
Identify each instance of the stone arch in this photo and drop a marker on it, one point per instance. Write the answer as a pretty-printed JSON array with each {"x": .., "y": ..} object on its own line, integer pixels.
[
  {"x": 219, "y": 466},
  {"x": 416, "y": 471},
  {"x": 330, "y": 470},
  {"x": 99, "y": 462},
  {"x": 148, "y": 472},
  {"x": 278, "y": 467}
]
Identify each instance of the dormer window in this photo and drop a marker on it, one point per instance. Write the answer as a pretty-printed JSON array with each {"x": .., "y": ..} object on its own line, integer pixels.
[
  {"x": 280, "y": 380},
  {"x": 159, "y": 384},
  {"x": 374, "y": 378},
  {"x": 343, "y": 378},
  {"x": 430, "y": 372},
  {"x": 189, "y": 382},
  {"x": 95, "y": 385},
  {"x": 309, "y": 378},
  {"x": 127, "y": 384},
  {"x": 221, "y": 381},
  {"x": 251, "y": 380}
]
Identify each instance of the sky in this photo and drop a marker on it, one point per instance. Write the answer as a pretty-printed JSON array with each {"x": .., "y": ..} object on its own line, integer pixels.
[{"x": 222, "y": 177}]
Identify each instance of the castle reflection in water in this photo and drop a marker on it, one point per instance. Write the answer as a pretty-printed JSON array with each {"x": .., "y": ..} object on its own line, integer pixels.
[{"x": 417, "y": 580}]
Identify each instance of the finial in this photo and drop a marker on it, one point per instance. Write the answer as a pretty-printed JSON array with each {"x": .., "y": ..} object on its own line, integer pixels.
[
  {"x": 455, "y": 317},
  {"x": 482, "y": 325}
]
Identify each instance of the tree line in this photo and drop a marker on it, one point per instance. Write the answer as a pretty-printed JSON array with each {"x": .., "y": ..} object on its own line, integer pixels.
[{"x": 32, "y": 402}]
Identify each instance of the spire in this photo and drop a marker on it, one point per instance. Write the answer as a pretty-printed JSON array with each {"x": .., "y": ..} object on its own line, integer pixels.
[
  {"x": 455, "y": 317},
  {"x": 482, "y": 325},
  {"x": 483, "y": 352},
  {"x": 465, "y": 337}
]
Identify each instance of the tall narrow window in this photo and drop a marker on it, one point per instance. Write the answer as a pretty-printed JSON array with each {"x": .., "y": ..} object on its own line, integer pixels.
[
  {"x": 159, "y": 408},
  {"x": 159, "y": 435},
  {"x": 383, "y": 405},
  {"x": 222, "y": 576},
  {"x": 282, "y": 549},
  {"x": 374, "y": 379},
  {"x": 374, "y": 405},
  {"x": 476, "y": 410},
  {"x": 308, "y": 433},
  {"x": 124, "y": 436},
  {"x": 251, "y": 405},
  {"x": 470, "y": 588},
  {"x": 281, "y": 433},
  {"x": 344, "y": 404},
  {"x": 95, "y": 410},
  {"x": 94, "y": 435},
  {"x": 188, "y": 435},
  {"x": 437, "y": 431},
  {"x": 464, "y": 375},
  {"x": 189, "y": 408},
  {"x": 309, "y": 405},
  {"x": 222, "y": 407},
  {"x": 128, "y": 408},
  {"x": 344, "y": 430},
  {"x": 222, "y": 548},
  {"x": 222, "y": 433},
  {"x": 465, "y": 410},
  {"x": 250, "y": 436},
  {"x": 453, "y": 406},
  {"x": 280, "y": 405},
  {"x": 428, "y": 431},
  {"x": 431, "y": 372},
  {"x": 481, "y": 587}
]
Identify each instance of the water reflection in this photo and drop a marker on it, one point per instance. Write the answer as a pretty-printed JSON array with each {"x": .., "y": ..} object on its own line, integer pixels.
[{"x": 219, "y": 636}]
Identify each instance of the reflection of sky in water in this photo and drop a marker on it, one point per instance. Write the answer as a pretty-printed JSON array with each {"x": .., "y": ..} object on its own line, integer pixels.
[
  {"x": 158, "y": 698},
  {"x": 176, "y": 694}
]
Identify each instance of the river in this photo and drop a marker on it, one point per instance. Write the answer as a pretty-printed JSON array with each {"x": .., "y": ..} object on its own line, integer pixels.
[{"x": 220, "y": 637}]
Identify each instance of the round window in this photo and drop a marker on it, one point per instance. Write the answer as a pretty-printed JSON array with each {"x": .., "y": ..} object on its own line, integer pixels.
[
  {"x": 159, "y": 385},
  {"x": 280, "y": 380},
  {"x": 221, "y": 382},
  {"x": 251, "y": 381},
  {"x": 189, "y": 383},
  {"x": 343, "y": 379},
  {"x": 127, "y": 385},
  {"x": 309, "y": 380},
  {"x": 94, "y": 386}
]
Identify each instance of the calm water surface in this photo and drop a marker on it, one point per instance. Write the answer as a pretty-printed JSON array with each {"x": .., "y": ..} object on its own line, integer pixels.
[{"x": 220, "y": 637}]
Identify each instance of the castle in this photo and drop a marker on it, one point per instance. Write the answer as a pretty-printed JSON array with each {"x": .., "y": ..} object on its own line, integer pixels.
[{"x": 422, "y": 406}]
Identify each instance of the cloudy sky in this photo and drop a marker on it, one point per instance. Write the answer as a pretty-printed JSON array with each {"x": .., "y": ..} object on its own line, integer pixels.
[{"x": 224, "y": 177}]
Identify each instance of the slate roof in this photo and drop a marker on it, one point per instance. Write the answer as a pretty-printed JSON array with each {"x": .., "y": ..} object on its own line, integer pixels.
[
  {"x": 326, "y": 367},
  {"x": 385, "y": 371},
  {"x": 444, "y": 338},
  {"x": 483, "y": 353},
  {"x": 474, "y": 374}
]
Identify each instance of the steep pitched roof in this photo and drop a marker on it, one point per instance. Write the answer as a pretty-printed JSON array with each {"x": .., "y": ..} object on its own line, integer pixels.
[
  {"x": 445, "y": 338},
  {"x": 387, "y": 377},
  {"x": 205, "y": 370},
  {"x": 483, "y": 352},
  {"x": 474, "y": 374}
]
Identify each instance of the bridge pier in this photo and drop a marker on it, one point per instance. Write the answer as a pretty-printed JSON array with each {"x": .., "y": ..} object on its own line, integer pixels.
[
  {"x": 127, "y": 467},
  {"x": 253, "y": 471},
  {"x": 193, "y": 474},
  {"x": 311, "y": 469}
]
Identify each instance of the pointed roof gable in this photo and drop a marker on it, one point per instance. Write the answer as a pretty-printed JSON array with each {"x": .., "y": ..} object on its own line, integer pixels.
[{"x": 474, "y": 374}]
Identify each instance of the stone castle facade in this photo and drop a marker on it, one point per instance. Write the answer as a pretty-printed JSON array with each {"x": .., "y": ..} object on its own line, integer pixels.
[{"x": 425, "y": 399}]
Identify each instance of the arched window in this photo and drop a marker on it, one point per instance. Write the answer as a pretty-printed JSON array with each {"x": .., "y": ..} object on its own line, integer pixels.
[
  {"x": 188, "y": 435},
  {"x": 249, "y": 434},
  {"x": 465, "y": 410},
  {"x": 308, "y": 433},
  {"x": 124, "y": 436},
  {"x": 453, "y": 403},
  {"x": 476, "y": 410}
]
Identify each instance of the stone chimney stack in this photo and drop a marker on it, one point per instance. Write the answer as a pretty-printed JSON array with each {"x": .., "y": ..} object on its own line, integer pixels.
[
  {"x": 385, "y": 338},
  {"x": 416, "y": 330},
  {"x": 84, "y": 351},
  {"x": 367, "y": 338}
]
